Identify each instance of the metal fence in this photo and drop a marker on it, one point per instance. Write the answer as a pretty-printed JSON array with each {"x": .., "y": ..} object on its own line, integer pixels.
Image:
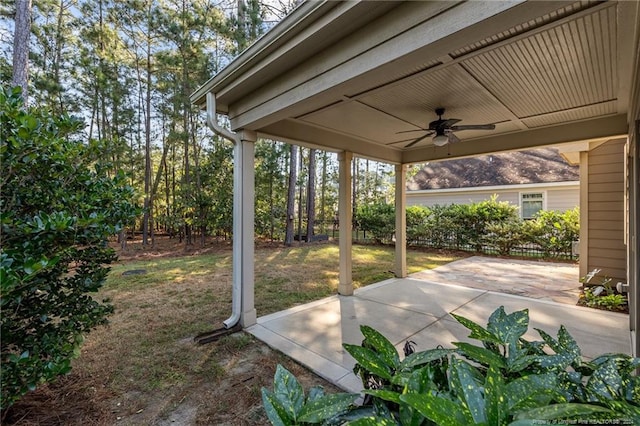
[
  {"x": 521, "y": 250},
  {"x": 452, "y": 242}
]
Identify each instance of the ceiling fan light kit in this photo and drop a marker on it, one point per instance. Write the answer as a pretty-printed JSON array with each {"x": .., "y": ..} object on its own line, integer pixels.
[
  {"x": 444, "y": 128},
  {"x": 440, "y": 140}
]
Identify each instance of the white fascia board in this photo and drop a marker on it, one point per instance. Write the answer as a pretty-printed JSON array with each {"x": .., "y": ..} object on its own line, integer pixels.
[{"x": 493, "y": 188}]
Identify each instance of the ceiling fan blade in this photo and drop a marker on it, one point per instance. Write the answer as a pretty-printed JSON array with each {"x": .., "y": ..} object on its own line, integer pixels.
[
  {"x": 450, "y": 122},
  {"x": 452, "y": 137},
  {"x": 410, "y": 144},
  {"x": 412, "y": 131},
  {"x": 440, "y": 124},
  {"x": 474, "y": 127}
]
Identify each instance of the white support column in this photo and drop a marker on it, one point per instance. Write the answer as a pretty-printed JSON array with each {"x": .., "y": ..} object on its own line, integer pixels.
[
  {"x": 243, "y": 221},
  {"x": 345, "y": 217},
  {"x": 401, "y": 221}
]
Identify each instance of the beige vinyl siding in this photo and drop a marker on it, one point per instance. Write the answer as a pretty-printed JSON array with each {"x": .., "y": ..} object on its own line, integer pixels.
[
  {"x": 429, "y": 200},
  {"x": 607, "y": 250},
  {"x": 563, "y": 199},
  {"x": 559, "y": 199}
]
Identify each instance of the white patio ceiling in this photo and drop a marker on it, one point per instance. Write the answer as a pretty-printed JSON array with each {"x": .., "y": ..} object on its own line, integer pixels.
[{"x": 350, "y": 76}]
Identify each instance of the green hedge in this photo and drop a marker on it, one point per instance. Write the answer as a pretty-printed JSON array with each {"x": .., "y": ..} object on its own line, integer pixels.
[
  {"x": 58, "y": 208},
  {"x": 488, "y": 226}
]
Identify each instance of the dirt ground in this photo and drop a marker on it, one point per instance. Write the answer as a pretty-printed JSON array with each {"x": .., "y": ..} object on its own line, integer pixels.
[
  {"x": 144, "y": 367},
  {"x": 234, "y": 399},
  {"x": 222, "y": 385}
]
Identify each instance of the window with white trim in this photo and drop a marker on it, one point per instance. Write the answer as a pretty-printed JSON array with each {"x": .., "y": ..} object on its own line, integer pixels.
[{"x": 531, "y": 203}]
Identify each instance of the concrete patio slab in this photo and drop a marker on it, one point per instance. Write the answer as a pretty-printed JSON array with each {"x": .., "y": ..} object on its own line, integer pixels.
[
  {"x": 417, "y": 309},
  {"x": 554, "y": 281},
  {"x": 420, "y": 296}
]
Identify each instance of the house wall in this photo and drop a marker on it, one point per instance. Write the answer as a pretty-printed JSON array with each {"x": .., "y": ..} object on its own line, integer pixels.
[
  {"x": 563, "y": 199},
  {"x": 559, "y": 199},
  {"x": 605, "y": 222},
  {"x": 429, "y": 200}
]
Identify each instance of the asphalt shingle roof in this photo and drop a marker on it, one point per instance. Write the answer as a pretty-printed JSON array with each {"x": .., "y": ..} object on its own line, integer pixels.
[{"x": 509, "y": 168}]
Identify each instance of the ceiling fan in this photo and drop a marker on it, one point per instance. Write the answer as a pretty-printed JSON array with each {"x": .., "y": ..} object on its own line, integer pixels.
[{"x": 443, "y": 130}]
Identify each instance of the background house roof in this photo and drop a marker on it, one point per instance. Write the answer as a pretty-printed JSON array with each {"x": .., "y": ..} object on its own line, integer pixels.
[{"x": 508, "y": 168}]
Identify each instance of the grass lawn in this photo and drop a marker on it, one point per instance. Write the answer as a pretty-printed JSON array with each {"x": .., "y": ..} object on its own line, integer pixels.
[{"x": 143, "y": 368}]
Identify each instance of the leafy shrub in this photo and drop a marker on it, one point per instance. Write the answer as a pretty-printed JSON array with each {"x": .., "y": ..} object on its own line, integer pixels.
[
  {"x": 489, "y": 224},
  {"x": 553, "y": 231},
  {"x": 458, "y": 218},
  {"x": 477, "y": 216},
  {"x": 504, "y": 236},
  {"x": 493, "y": 226},
  {"x": 503, "y": 380},
  {"x": 379, "y": 219},
  {"x": 416, "y": 218},
  {"x": 58, "y": 207}
]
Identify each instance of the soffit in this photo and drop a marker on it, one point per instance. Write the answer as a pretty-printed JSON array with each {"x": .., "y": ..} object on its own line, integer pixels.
[{"x": 567, "y": 66}]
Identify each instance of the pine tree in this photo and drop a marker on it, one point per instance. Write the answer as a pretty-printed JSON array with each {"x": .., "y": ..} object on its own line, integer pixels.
[
  {"x": 311, "y": 195},
  {"x": 291, "y": 194},
  {"x": 22, "y": 35}
]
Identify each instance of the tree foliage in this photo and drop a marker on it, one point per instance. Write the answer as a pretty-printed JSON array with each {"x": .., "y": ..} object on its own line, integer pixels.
[
  {"x": 129, "y": 68},
  {"x": 378, "y": 219},
  {"x": 58, "y": 206}
]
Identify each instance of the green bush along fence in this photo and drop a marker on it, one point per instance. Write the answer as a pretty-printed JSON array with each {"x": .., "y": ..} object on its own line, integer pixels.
[{"x": 489, "y": 227}]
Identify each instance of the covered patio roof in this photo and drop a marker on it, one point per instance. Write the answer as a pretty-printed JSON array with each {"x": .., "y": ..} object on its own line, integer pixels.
[{"x": 351, "y": 75}]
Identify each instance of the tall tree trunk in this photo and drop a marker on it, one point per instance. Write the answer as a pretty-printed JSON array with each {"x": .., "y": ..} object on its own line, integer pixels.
[
  {"x": 122, "y": 239},
  {"x": 173, "y": 190},
  {"x": 202, "y": 213},
  {"x": 323, "y": 192},
  {"x": 101, "y": 80},
  {"x": 311, "y": 195},
  {"x": 147, "y": 162},
  {"x": 57, "y": 58},
  {"x": 272, "y": 222},
  {"x": 300, "y": 189},
  {"x": 367, "y": 183},
  {"x": 241, "y": 35},
  {"x": 291, "y": 195},
  {"x": 167, "y": 192},
  {"x": 21, "y": 38},
  {"x": 354, "y": 189},
  {"x": 186, "y": 105},
  {"x": 148, "y": 206},
  {"x": 94, "y": 112},
  {"x": 154, "y": 188}
]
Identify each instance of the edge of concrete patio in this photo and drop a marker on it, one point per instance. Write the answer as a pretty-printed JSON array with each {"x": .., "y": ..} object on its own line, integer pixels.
[{"x": 417, "y": 309}]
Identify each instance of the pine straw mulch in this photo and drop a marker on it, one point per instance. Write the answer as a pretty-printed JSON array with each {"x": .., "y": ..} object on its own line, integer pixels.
[{"x": 214, "y": 384}]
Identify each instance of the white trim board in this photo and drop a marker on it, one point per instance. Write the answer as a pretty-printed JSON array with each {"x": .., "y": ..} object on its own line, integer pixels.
[{"x": 518, "y": 187}]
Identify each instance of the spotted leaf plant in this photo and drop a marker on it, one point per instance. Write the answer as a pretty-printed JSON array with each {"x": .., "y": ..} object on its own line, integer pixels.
[
  {"x": 287, "y": 404},
  {"x": 503, "y": 380}
]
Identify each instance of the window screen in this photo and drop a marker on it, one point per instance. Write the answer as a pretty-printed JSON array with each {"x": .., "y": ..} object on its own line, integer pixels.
[{"x": 531, "y": 204}]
